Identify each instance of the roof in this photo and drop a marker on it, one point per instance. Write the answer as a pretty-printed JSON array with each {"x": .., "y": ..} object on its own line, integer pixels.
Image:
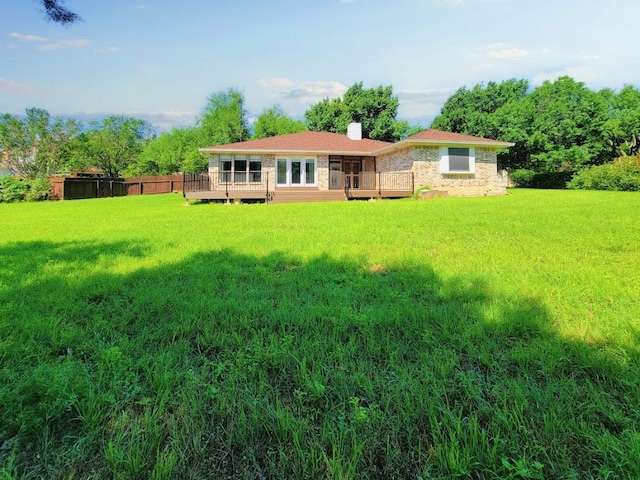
[
  {"x": 303, "y": 142},
  {"x": 335, "y": 143}
]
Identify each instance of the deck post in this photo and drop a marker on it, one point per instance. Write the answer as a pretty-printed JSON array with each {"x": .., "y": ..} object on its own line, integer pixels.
[{"x": 379, "y": 185}]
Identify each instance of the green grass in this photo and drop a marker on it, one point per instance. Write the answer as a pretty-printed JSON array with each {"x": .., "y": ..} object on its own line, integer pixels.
[{"x": 459, "y": 337}]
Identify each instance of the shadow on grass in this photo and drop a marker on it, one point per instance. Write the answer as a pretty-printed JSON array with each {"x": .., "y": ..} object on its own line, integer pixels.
[{"x": 228, "y": 365}]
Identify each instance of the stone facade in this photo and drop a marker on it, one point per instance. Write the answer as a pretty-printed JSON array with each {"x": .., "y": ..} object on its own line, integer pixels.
[{"x": 424, "y": 162}]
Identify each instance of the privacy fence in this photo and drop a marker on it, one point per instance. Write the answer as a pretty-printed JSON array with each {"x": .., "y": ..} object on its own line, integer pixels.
[{"x": 72, "y": 188}]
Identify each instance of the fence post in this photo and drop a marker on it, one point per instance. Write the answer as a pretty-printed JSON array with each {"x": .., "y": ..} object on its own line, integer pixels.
[{"x": 379, "y": 184}]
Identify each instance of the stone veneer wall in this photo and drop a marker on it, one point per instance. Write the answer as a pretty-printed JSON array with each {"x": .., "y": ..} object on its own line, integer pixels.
[{"x": 424, "y": 162}]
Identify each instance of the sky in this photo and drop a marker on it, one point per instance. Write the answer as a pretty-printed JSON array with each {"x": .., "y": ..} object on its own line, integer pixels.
[{"x": 160, "y": 60}]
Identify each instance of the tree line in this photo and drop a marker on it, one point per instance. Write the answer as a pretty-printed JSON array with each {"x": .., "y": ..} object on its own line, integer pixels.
[
  {"x": 560, "y": 128},
  {"x": 38, "y": 145}
]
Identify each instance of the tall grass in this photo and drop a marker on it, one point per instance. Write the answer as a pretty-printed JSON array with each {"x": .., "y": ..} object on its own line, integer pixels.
[{"x": 141, "y": 337}]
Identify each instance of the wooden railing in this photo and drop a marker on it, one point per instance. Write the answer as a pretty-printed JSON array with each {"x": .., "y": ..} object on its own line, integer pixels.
[
  {"x": 379, "y": 181},
  {"x": 224, "y": 182}
]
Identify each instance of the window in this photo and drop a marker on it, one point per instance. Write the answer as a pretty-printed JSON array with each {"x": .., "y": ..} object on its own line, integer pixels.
[
  {"x": 296, "y": 172},
  {"x": 457, "y": 160},
  {"x": 240, "y": 168}
]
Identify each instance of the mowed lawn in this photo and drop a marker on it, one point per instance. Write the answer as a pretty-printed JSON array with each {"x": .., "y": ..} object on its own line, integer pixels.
[{"x": 492, "y": 337}]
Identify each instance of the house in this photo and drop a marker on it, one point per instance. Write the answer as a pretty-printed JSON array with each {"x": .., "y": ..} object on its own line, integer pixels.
[{"x": 316, "y": 166}]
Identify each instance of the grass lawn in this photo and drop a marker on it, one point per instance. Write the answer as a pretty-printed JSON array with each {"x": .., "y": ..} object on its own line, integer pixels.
[{"x": 492, "y": 337}]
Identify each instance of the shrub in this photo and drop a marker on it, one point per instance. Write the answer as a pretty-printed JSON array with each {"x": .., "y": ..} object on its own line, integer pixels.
[
  {"x": 522, "y": 177},
  {"x": 38, "y": 190},
  {"x": 621, "y": 175},
  {"x": 13, "y": 189},
  {"x": 531, "y": 179}
]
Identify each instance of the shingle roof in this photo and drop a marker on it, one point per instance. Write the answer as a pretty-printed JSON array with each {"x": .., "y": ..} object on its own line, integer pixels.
[
  {"x": 309, "y": 142},
  {"x": 432, "y": 135},
  {"x": 325, "y": 142}
]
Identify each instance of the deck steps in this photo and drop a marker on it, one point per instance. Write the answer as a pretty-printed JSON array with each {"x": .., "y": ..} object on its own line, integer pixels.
[{"x": 291, "y": 195}]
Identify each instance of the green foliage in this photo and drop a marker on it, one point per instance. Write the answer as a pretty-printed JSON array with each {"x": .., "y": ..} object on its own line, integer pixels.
[
  {"x": 37, "y": 146},
  {"x": 375, "y": 108},
  {"x": 274, "y": 121},
  {"x": 621, "y": 175},
  {"x": 13, "y": 189},
  {"x": 192, "y": 348},
  {"x": 522, "y": 177},
  {"x": 560, "y": 126},
  {"x": 114, "y": 144},
  {"x": 170, "y": 152},
  {"x": 223, "y": 119}
]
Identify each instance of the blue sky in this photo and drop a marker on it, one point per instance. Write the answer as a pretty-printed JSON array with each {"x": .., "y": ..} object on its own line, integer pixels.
[{"x": 160, "y": 59}]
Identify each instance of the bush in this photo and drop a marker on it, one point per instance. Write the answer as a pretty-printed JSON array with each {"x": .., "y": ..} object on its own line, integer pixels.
[
  {"x": 13, "y": 189},
  {"x": 621, "y": 175},
  {"x": 530, "y": 179},
  {"x": 522, "y": 177},
  {"x": 38, "y": 190}
]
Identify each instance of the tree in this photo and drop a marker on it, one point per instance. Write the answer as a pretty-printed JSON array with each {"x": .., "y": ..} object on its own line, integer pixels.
[
  {"x": 55, "y": 12},
  {"x": 171, "y": 152},
  {"x": 375, "y": 108},
  {"x": 223, "y": 119},
  {"x": 274, "y": 121},
  {"x": 115, "y": 143},
  {"x": 37, "y": 146}
]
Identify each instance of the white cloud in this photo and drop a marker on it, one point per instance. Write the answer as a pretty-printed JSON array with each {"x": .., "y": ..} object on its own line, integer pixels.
[
  {"x": 424, "y": 97},
  {"x": 509, "y": 53},
  {"x": 314, "y": 91},
  {"x": 26, "y": 38},
  {"x": 48, "y": 46},
  {"x": 578, "y": 73},
  {"x": 109, "y": 50},
  {"x": 279, "y": 82},
  {"x": 73, "y": 43},
  {"x": 14, "y": 87},
  {"x": 80, "y": 43}
]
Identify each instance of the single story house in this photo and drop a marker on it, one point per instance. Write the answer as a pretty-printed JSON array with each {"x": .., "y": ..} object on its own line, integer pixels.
[{"x": 316, "y": 166}]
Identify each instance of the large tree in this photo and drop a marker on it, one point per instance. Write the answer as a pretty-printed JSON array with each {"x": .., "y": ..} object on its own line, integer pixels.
[
  {"x": 115, "y": 143},
  {"x": 274, "y": 121},
  {"x": 37, "y": 145},
  {"x": 223, "y": 118},
  {"x": 171, "y": 152},
  {"x": 375, "y": 108}
]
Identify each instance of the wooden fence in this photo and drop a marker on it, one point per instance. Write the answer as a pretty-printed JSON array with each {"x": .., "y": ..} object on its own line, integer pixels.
[{"x": 72, "y": 188}]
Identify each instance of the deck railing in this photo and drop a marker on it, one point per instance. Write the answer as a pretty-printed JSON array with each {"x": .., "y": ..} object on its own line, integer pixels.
[
  {"x": 224, "y": 182},
  {"x": 379, "y": 182}
]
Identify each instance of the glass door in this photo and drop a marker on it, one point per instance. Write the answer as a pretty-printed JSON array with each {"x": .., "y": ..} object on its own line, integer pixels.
[{"x": 352, "y": 169}]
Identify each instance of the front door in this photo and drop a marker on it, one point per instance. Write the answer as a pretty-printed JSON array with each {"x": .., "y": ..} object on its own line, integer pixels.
[{"x": 352, "y": 169}]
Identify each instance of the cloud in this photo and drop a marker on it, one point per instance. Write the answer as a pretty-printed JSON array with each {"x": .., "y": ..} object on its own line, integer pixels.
[
  {"x": 73, "y": 43},
  {"x": 163, "y": 121},
  {"x": 280, "y": 82},
  {"x": 313, "y": 91},
  {"x": 26, "y": 38},
  {"x": 424, "y": 97},
  {"x": 80, "y": 43},
  {"x": 109, "y": 50},
  {"x": 14, "y": 87},
  {"x": 509, "y": 53}
]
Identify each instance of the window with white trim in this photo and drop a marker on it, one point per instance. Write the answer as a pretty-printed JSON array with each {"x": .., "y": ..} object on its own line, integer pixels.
[
  {"x": 241, "y": 168},
  {"x": 457, "y": 160},
  {"x": 296, "y": 172}
]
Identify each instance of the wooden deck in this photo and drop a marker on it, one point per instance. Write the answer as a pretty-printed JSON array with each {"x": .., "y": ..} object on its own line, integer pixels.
[{"x": 361, "y": 193}]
